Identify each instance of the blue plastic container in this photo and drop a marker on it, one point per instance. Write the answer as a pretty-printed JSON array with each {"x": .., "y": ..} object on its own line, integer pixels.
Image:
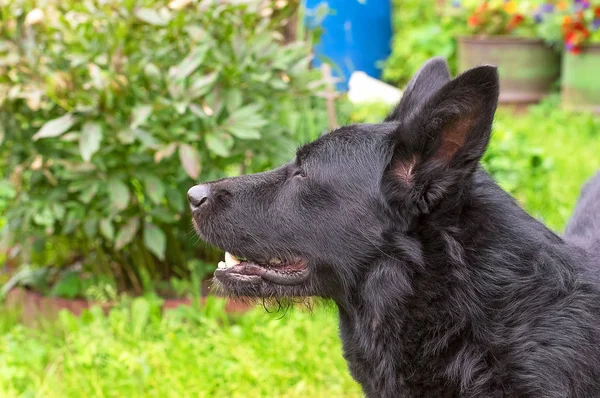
[{"x": 357, "y": 35}]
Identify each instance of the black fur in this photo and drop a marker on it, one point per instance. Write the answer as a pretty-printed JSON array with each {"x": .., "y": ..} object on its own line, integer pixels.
[{"x": 445, "y": 287}]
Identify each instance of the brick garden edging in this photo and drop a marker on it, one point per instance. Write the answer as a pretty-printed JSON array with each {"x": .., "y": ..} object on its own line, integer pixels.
[{"x": 35, "y": 306}]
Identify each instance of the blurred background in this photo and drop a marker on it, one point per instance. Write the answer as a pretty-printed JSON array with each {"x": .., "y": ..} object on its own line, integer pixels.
[{"x": 110, "y": 110}]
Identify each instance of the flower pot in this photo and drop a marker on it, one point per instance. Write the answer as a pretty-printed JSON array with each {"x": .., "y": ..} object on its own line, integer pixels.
[
  {"x": 580, "y": 81},
  {"x": 527, "y": 67}
]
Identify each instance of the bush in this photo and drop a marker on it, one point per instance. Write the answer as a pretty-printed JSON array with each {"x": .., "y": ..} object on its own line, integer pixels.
[
  {"x": 420, "y": 32},
  {"x": 112, "y": 110}
]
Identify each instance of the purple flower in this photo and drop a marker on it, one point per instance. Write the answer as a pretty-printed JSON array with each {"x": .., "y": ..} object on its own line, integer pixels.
[
  {"x": 546, "y": 8},
  {"x": 569, "y": 46},
  {"x": 596, "y": 24},
  {"x": 581, "y": 4},
  {"x": 456, "y": 3}
]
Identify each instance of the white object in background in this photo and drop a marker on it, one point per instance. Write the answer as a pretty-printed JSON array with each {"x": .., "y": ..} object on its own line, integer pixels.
[{"x": 364, "y": 88}]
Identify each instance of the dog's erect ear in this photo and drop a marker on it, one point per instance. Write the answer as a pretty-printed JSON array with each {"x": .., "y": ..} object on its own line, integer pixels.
[
  {"x": 443, "y": 140},
  {"x": 425, "y": 83}
]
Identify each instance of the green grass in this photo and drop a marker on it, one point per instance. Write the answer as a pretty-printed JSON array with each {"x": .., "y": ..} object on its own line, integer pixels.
[
  {"x": 542, "y": 158},
  {"x": 186, "y": 353},
  {"x": 553, "y": 153}
]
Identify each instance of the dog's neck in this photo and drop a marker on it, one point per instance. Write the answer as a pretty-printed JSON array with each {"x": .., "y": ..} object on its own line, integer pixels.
[{"x": 415, "y": 304}]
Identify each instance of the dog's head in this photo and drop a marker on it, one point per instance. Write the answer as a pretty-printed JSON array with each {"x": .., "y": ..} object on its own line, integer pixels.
[{"x": 314, "y": 225}]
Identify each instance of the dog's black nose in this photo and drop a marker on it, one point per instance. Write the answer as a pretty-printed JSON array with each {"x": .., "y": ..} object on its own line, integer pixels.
[{"x": 198, "y": 195}]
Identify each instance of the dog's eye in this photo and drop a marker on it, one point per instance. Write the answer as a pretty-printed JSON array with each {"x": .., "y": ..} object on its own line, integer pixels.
[{"x": 299, "y": 173}]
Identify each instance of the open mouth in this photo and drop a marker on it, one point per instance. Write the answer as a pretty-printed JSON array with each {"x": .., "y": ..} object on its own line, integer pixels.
[{"x": 274, "y": 270}]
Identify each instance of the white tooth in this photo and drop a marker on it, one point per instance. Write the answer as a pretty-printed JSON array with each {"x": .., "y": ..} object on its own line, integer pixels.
[
  {"x": 230, "y": 260},
  {"x": 275, "y": 261},
  {"x": 222, "y": 264}
]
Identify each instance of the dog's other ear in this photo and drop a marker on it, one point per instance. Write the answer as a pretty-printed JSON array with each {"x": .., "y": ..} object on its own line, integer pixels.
[
  {"x": 441, "y": 143},
  {"x": 425, "y": 83}
]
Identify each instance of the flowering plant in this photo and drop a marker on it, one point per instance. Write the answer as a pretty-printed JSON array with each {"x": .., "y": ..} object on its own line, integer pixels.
[
  {"x": 495, "y": 17},
  {"x": 569, "y": 23},
  {"x": 581, "y": 25}
]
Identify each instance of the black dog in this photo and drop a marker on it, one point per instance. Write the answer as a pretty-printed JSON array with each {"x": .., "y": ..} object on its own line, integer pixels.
[{"x": 445, "y": 287}]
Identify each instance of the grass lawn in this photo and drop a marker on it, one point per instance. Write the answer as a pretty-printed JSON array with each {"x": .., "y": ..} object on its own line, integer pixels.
[
  {"x": 542, "y": 158},
  {"x": 565, "y": 150},
  {"x": 186, "y": 353}
]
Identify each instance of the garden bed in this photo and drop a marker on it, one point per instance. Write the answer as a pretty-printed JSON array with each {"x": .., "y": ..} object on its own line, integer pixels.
[{"x": 34, "y": 306}]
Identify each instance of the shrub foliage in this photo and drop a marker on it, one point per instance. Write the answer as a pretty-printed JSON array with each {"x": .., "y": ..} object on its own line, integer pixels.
[{"x": 110, "y": 110}]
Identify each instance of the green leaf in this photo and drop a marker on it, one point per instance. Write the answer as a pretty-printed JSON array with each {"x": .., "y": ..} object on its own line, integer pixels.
[
  {"x": 107, "y": 229},
  {"x": 118, "y": 194},
  {"x": 154, "y": 188},
  {"x": 176, "y": 200},
  {"x": 73, "y": 220},
  {"x": 43, "y": 217},
  {"x": 189, "y": 63},
  {"x": 233, "y": 99},
  {"x": 244, "y": 133},
  {"x": 89, "y": 141},
  {"x": 245, "y": 122},
  {"x": 190, "y": 160},
  {"x": 278, "y": 84},
  {"x": 58, "y": 210},
  {"x": 127, "y": 233},
  {"x": 151, "y": 16},
  {"x": 293, "y": 120},
  {"x": 68, "y": 286},
  {"x": 90, "y": 227},
  {"x": 180, "y": 107},
  {"x": 155, "y": 240},
  {"x": 196, "y": 32},
  {"x": 175, "y": 88},
  {"x": 165, "y": 152},
  {"x": 6, "y": 190},
  {"x": 139, "y": 115},
  {"x": 202, "y": 85},
  {"x": 98, "y": 80},
  {"x": 152, "y": 71},
  {"x": 126, "y": 136},
  {"x": 163, "y": 215},
  {"x": 197, "y": 111},
  {"x": 27, "y": 276},
  {"x": 140, "y": 315},
  {"x": 88, "y": 193},
  {"x": 219, "y": 144},
  {"x": 147, "y": 140},
  {"x": 55, "y": 127},
  {"x": 71, "y": 136}
]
